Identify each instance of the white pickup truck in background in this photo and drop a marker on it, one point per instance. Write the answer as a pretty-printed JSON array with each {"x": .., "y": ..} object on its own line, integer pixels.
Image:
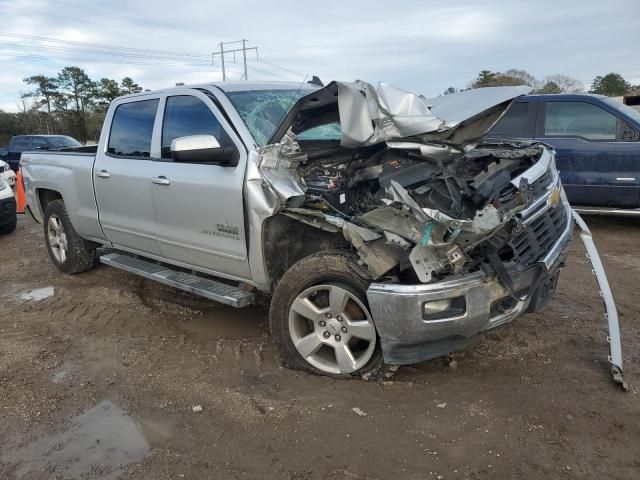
[{"x": 379, "y": 222}]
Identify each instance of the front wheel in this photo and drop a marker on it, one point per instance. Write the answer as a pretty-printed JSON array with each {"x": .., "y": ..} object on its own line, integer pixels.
[
  {"x": 320, "y": 320},
  {"x": 68, "y": 251}
]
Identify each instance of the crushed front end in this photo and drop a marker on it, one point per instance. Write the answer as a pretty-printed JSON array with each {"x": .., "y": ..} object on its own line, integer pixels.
[
  {"x": 513, "y": 271},
  {"x": 458, "y": 235}
]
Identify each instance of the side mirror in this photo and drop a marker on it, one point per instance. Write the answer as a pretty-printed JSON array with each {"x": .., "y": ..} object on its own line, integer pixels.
[{"x": 202, "y": 149}]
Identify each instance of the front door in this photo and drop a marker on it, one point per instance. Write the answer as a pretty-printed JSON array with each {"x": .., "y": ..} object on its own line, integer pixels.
[
  {"x": 597, "y": 165},
  {"x": 122, "y": 177},
  {"x": 199, "y": 207}
]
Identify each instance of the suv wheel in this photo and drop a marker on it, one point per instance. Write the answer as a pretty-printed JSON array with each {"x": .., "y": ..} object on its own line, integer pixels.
[
  {"x": 9, "y": 227},
  {"x": 320, "y": 320},
  {"x": 68, "y": 251}
]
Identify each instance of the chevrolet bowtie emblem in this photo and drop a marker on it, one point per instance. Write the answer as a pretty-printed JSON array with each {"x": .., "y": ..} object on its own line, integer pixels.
[{"x": 554, "y": 198}]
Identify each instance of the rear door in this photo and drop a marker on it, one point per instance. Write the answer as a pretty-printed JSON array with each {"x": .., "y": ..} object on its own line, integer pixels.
[
  {"x": 199, "y": 207},
  {"x": 598, "y": 160},
  {"x": 122, "y": 176}
]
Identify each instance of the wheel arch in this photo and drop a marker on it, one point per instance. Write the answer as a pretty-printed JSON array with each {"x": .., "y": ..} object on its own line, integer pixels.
[
  {"x": 45, "y": 196},
  {"x": 286, "y": 241}
]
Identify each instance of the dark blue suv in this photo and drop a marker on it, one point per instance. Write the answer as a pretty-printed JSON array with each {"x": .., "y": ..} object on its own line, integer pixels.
[
  {"x": 597, "y": 141},
  {"x": 25, "y": 143}
]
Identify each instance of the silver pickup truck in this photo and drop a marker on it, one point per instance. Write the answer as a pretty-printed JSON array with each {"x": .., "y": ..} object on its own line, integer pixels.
[{"x": 380, "y": 224}]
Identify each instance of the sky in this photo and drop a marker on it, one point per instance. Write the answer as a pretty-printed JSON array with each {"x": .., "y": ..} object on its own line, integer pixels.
[{"x": 423, "y": 46}]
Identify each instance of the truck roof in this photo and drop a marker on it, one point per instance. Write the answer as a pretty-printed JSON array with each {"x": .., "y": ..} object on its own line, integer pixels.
[
  {"x": 565, "y": 96},
  {"x": 235, "y": 86}
]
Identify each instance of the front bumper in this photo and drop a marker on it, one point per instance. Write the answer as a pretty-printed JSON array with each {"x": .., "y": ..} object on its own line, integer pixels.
[{"x": 406, "y": 335}]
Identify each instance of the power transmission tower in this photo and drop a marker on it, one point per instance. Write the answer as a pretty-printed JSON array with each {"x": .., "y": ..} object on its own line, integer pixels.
[{"x": 222, "y": 53}]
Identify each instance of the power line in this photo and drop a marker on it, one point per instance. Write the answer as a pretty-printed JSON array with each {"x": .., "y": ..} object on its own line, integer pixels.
[
  {"x": 262, "y": 60},
  {"x": 102, "y": 60},
  {"x": 244, "y": 50},
  {"x": 100, "y": 45},
  {"x": 269, "y": 73},
  {"x": 203, "y": 58},
  {"x": 134, "y": 56}
]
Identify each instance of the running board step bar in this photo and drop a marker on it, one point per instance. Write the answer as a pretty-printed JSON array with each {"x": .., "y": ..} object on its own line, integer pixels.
[{"x": 204, "y": 287}]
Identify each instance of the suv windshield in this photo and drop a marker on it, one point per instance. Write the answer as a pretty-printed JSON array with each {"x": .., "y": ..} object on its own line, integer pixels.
[{"x": 263, "y": 110}]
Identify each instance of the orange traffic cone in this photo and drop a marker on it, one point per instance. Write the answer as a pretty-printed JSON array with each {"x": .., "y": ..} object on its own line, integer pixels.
[{"x": 21, "y": 199}]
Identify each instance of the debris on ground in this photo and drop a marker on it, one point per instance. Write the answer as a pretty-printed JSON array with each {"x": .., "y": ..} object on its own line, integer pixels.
[{"x": 359, "y": 412}]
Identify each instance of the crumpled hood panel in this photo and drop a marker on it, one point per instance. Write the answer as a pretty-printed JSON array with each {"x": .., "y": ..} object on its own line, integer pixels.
[{"x": 369, "y": 116}]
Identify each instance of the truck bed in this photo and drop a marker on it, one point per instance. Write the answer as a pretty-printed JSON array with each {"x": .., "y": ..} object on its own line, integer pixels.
[{"x": 71, "y": 174}]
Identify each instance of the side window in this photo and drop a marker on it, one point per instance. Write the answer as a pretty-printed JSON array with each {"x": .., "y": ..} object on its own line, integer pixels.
[
  {"x": 39, "y": 142},
  {"x": 132, "y": 128},
  {"x": 21, "y": 144},
  {"x": 513, "y": 123},
  {"x": 579, "y": 119},
  {"x": 186, "y": 115}
]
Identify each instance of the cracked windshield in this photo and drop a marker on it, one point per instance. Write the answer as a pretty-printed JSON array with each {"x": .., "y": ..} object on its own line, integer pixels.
[{"x": 263, "y": 110}]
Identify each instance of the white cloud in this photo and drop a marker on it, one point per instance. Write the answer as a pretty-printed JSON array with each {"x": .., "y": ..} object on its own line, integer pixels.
[{"x": 424, "y": 46}]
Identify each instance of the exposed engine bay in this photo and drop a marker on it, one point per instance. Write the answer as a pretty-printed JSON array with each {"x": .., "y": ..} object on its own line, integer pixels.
[
  {"x": 416, "y": 208},
  {"x": 412, "y": 215}
]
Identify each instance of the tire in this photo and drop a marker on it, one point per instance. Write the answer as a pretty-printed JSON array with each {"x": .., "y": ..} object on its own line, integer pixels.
[
  {"x": 67, "y": 250},
  {"x": 312, "y": 282},
  {"x": 9, "y": 227}
]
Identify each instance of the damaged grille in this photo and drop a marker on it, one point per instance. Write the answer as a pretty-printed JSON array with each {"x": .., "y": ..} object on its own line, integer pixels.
[{"x": 537, "y": 238}]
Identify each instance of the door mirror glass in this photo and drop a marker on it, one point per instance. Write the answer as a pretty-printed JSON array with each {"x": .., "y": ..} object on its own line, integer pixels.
[{"x": 201, "y": 149}]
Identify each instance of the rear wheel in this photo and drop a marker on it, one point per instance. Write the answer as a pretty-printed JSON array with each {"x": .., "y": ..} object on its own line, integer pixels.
[
  {"x": 320, "y": 320},
  {"x": 68, "y": 251}
]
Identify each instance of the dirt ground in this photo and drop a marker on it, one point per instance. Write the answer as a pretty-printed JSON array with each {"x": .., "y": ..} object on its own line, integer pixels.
[{"x": 99, "y": 373}]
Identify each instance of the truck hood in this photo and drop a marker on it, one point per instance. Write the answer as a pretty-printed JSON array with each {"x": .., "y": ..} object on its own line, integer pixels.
[{"x": 368, "y": 115}]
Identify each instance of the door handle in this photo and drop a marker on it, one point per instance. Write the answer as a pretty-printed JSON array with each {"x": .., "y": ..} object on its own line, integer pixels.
[
  {"x": 102, "y": 174},
  {"x": 161, "y": 180}
]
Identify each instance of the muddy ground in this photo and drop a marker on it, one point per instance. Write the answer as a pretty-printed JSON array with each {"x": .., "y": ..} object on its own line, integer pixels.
[{"x": 99, "y": 374}]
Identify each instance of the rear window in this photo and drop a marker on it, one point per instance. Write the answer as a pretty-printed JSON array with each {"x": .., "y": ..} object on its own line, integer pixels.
[
  {"x": 514, "y": 122},
  {"x": 132, "y": 129}
]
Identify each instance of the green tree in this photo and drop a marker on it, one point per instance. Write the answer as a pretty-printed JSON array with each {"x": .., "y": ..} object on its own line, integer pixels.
[
  {"x": 128, "y": 86},
  {"x": 612, "y": 85},
  {"x": 107, "y": 90},
  {"x": 75, "y": 104},
  {"x": 522, "y": 77},
  {"x": 9, "y": 126},
  {"x": 45, "y": 88},
  {"x": 565, "y": 83},
  {"x": 513, "y": 77},
  {"x": 77, "y": 90},
  {"x": 486, "y": 78},
  {"x": 549, "y": 87}
]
